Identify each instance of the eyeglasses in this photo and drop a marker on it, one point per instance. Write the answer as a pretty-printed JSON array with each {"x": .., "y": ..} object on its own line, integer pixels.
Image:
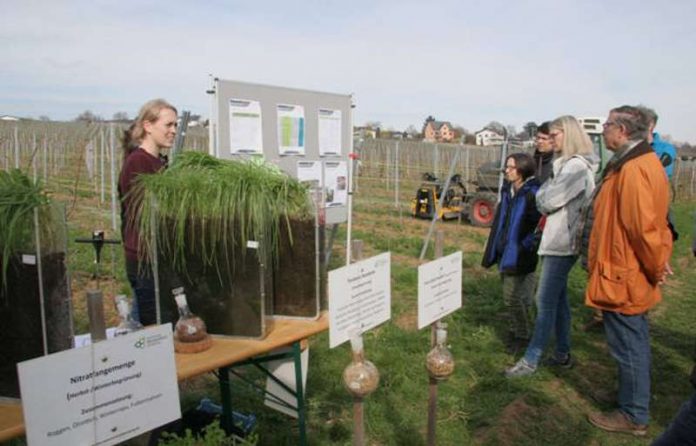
[
  {"x": 542, "y": 137},
  {"x": 609, "y": 123}
]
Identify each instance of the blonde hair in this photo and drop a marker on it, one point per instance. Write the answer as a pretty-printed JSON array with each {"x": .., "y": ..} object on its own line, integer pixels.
[
  {"x": 575, "y": 140},
  {"x": 148, "y": 113}
]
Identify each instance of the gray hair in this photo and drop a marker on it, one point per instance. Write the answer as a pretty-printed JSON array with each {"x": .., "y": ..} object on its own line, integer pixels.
[
  {"x": 650, "y": 115},
  {"x": 633, "y": 119}
]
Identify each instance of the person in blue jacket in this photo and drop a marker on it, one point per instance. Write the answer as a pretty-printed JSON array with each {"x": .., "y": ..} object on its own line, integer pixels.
[
  {"x": 664, "y": 150},
  {"x": 512, "y": 245}
]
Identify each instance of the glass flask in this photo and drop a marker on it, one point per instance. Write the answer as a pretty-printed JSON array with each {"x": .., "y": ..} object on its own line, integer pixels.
[
  {"x": 440, "y": 362},
  {"x": 361, "y": 377},
  {"x": 127, "y": 324},
  {"x": 189, "y": 327}
]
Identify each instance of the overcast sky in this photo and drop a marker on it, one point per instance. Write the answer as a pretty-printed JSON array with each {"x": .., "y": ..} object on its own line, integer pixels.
[{"x": 468, "y": 62}]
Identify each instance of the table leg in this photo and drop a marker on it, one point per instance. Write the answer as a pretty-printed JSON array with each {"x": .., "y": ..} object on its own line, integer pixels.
[
  {"x": 226, "y": 420},
  {"x": 297, "y": 356}
]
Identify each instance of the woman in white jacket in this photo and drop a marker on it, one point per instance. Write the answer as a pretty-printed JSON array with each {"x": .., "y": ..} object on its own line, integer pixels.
[{"x": 560, "y": 199}]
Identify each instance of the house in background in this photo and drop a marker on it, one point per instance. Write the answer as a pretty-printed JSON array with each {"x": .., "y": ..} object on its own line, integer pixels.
[
  {"x": 488, "y": 137},
  {"x": 365, "y": 132},
  {"x": 8, "y": 118},
  {"x": 438, "y": 131}
]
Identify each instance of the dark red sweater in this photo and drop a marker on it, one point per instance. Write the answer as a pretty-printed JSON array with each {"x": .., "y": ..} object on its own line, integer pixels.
[{"x": 138, "y": 162}]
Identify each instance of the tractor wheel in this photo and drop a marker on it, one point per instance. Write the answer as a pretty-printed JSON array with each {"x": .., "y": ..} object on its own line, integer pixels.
[{"x": 482, "y": 209}]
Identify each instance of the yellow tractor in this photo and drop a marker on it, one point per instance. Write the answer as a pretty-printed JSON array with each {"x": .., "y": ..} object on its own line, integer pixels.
[
  {"x": 427, "y": 200},
  {"x": 478, "y": 208}
]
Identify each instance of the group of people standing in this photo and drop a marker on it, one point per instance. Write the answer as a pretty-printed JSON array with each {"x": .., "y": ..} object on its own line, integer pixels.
[{"x": 558, "y": 206}]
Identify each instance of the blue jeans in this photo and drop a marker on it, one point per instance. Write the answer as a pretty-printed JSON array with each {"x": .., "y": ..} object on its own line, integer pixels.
[
  {"x": 629, "y": 343},
  {"x": 682, "y": 430},
  {"x": 553, "y": 310}
]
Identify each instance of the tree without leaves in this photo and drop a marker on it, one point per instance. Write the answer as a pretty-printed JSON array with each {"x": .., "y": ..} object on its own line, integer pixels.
[
  {"x": 530, "y": 128},
  {"x": 496, "y": 126},
  {"x": 88, "y": 116},
  {"x": 120, "y": 116}
]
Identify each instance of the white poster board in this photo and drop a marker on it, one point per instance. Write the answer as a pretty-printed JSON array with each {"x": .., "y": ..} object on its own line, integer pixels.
[
  {"x": 310, "y": 172},
  {"x": 359, "y": 297},
  {"x": 246, "y": 133},
  {"x": 336, "y": 181},
  {"x": 439, "y": 288},
  {"x": 329, "y": 132},
  {"x": 103, "y": 394},
  {"x": 291, "y": 129}
]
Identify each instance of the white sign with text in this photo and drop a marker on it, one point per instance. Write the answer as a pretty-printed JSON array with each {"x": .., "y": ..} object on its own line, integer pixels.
[
  {"x": 102, "y": 394},
  {"x": 439, "y": 288},
  {"x": 359, "y": 297}
]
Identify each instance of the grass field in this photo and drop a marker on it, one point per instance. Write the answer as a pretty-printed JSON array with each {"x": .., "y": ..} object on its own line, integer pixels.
[{"x": 477, "y": 405}]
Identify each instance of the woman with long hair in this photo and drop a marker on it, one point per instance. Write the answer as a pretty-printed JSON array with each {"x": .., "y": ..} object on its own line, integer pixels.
[
  {"x": 153, "y": 131},
  {"x": 560, "y": 199}
]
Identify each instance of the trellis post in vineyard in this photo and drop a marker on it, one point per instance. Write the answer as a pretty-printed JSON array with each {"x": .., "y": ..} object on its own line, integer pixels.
[
  {"x": 101, "y": 164},
  {"x": 16, "y": 147},
  {"x": 112, "y": 151}
]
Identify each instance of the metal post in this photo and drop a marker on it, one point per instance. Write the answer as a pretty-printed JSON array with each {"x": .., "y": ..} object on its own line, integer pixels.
[
  {"x": 358, "y": 407},
  {"x": 467, "y": 166},
  {"x": 16, "y": 147},
  {"x": 396, "y": 175},
  {"x": 95, "y": 311},
  {"x": 432, "y": 383},
  {"x": 387, "y": 160},
  {"x": 44, "y": 160},
  {"x": 436, "y": 159},
  {"x": 112, "y": 151},
  {"x": 101, "y": 165},
  {"x": 351, "y": 169},
  {"x": 442, "y": 199},
  {"x": 224, "y": 381}
]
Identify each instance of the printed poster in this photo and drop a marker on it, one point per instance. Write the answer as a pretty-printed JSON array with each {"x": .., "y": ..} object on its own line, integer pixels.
[
  {"x": 329, "y": 132},
  {"x": 291, "y": 129},
  {"x": 336, "y": 181},
  {"x": 310, "y": 172},
  {"x": 245, "y": 127}
]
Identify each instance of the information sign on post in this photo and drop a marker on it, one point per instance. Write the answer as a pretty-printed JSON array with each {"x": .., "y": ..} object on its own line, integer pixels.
[
  {"x": 359, "y": 297},
  {"x": 103, "y": 394},
  {"x": 439, "y": 288}
]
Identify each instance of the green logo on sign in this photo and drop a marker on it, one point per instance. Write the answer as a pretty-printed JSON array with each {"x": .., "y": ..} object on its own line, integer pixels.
[{"x": 140, "y": 343}]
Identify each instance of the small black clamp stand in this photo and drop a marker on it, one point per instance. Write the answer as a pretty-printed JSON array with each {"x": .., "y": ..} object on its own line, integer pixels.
[
  {"x": 97, "y": 242},
  {"x": 95, "y": 301}
]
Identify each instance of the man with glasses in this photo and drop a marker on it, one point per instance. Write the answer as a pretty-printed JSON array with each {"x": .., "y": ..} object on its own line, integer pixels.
[
  {"x": 543, "y": 153},
  {"x": 629, "y": 249}
]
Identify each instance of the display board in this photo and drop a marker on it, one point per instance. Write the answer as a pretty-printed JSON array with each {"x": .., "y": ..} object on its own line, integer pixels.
[{"x": 289, "y": 128}]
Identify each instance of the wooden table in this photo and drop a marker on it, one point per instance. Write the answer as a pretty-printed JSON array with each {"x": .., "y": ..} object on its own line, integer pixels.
[
  {"x": 11, "y": 421},
  {"x": 222, "y": 356}
]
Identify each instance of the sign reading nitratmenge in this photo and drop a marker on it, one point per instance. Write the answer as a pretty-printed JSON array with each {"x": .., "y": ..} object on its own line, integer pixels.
[
  {"x": 359, "y": 297},
  {"x": 439, "y": 288},
  {"x": 102, "y": 394}
]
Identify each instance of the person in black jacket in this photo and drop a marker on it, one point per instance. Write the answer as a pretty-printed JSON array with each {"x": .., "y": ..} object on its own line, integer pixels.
[
  {"x": 512, "y": 245},
  {"x": 543, "y": 153}
]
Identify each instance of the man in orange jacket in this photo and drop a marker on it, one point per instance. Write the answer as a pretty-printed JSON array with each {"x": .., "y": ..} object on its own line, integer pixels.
[{"x": 629, "y": 249}]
